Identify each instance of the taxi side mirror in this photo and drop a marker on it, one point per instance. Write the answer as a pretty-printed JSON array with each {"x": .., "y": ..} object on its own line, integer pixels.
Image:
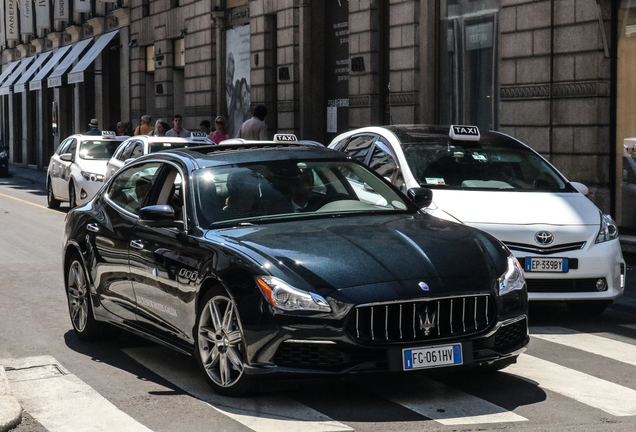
[
  {"x": 421, "y": 197},
  {"x": 67, "y": 157},
  {"x": 159, "y": 216}
]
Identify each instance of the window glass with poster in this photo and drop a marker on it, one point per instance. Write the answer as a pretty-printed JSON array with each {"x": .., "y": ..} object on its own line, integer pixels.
[
  {"x": 337, "y": 66},
  {"x": 237, "y": 66}
]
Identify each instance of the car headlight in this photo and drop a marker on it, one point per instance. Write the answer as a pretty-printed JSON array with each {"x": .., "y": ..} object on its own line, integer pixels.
[
  {"x": 283, "y": 296},
  {"x": 3, "y": 154},
  {"x": 92, "y": 177},
  {"x": 609, "y": 230},
  {"x": 513, "y": 278}
]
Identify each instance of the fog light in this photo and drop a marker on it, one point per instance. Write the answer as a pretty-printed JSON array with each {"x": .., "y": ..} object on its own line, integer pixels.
[
  {"x": 601, "y": 285},
  {"x": 83, "y": 195}
]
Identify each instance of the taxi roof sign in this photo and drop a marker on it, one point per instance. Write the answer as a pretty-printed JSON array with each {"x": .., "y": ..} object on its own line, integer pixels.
[
  {"x": 195, "y": 135},
  {"x": 285, "y": 138},
  {"x": 108, "y": 134},
  {"x": 464, "y": 133}
]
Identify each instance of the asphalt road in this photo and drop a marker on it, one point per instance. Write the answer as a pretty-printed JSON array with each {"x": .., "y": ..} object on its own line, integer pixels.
[{"x": 578, "y": 374}]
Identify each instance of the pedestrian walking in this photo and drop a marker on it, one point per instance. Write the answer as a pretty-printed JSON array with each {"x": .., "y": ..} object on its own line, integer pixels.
[
  {"x": 255, "y": 128},
  {"x": 93, "y": 128},
  {"x": 144, "y": 128},
  {"x": 177, "y": 128},
  {"x": 221, "y": 132}
]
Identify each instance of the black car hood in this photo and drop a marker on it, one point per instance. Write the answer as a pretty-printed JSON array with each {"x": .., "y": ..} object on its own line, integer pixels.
[{"x": 397, "y": 251}]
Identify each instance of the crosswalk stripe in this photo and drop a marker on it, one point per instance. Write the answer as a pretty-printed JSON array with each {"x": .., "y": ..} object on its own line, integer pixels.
[
  {"x": 452, "y": 407},
  {"x": 613, "y": 349},
  {"x": 598, "y": 393},
  {"x": 60, "y": 401},
  {"x": 261, "y": 414}
]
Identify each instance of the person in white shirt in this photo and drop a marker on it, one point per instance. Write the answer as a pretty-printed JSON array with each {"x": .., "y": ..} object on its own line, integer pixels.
[{"x": 177, "y": 130}]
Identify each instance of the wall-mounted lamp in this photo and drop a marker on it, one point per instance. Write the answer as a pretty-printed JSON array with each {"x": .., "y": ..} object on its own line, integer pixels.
[
  {"x": 132, "y": 43},
  {"x": 183, "y": 32}
]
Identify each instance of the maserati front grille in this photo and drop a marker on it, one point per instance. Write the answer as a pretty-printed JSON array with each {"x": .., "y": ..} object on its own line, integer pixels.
[{"x": 421, "y": 320}]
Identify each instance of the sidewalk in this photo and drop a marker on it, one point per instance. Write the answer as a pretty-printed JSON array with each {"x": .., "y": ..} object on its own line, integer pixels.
[{"x": 10, "y": 409}]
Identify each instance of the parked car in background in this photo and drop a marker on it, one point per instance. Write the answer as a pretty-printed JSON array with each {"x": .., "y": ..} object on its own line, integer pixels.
[
  {"x": 4, "y": 161},
  {"x": 569, "y": 249},
  {"x": 261, "y": 260},
  {"x": 143, "y": 144},
  {"x": 76, "y": 170}
]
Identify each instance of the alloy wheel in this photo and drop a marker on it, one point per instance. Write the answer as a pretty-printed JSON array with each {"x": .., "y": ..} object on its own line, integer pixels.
[
  {"x": 220, "y": 343},
  {"x": 77, "y": 296}
]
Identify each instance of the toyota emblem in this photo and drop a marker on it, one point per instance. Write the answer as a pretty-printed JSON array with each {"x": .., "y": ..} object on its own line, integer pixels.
[{"x": 544, "y": 238}]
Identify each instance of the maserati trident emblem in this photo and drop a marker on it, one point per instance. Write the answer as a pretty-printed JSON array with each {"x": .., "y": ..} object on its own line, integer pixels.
[
  {"x": 544, "y": 238},
  {"x": 427, "y": 321},
  {"x": 423, "y": 286}
]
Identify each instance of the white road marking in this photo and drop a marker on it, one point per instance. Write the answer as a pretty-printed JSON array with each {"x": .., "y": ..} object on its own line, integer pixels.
[
  {"x": 595, "y": 392},
  {"x": 261, "y": 414},
  {"x": 60, "y": 401},
  {"x": 449, "y": 406},
  {"x": 613, "y": 349}
]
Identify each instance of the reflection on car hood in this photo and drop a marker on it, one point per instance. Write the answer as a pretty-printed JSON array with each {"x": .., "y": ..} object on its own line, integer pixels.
[
  {"x": 92, "y": 166},
  {"x": 353, "y": 251},
  {"x": 519, "y": 208}
]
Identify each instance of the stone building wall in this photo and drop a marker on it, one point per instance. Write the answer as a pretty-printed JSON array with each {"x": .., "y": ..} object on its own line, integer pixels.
[{"x": 554, "y": 75}]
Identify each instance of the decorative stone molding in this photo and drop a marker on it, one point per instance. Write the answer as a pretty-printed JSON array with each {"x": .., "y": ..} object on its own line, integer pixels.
[
  {"x": 39, "y": 45},
  {"x": 56, "y": 39},
  {"x": 574, "y": 89},
  {"x": 194, "y": 111},
  {"x": 111, "y": 22},
  {"x": 396, "y": 99},
  {"x": 24, "y": 50},
  {"x": 8, "y": 54},
  {"x": 98, "y": 25},
  {"x": 123, "y": 16},
  {"x": 523, "y": 92},
  {"x": 359, "y": 101},
  {"x": 75, "y": 32},
  {"x": 285, "y": 106}
]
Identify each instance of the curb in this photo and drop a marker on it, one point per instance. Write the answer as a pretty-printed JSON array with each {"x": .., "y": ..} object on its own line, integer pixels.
[{"x": 10, "y": 409}]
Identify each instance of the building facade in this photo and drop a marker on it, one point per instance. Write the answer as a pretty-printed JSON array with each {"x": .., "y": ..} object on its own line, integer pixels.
[{"x": 553, "y": 73}]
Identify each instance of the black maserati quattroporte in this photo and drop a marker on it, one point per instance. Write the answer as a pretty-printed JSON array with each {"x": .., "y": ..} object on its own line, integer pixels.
[{"x": 261, "y": 259}]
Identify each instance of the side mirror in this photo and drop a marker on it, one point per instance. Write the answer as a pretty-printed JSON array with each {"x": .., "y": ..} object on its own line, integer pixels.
[
  {"x": 159, "y": 216},
  {"x": 581, "y": 188},
  {"x": 421, "y": 197},
  {"x": 67, "y": 157}
]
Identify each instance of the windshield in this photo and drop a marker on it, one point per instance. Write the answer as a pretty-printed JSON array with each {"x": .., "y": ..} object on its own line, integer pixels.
[
  {"x": 290, "y": 189},
  {"x": 481, "y": 165},
  {"x": 158, "y": 146},
  {"x": 98, "y": 150}
]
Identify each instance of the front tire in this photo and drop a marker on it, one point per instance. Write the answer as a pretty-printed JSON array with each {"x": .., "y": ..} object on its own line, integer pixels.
[
  {"x": 51, "y": 202},
  {"x": 72, "y": 199},
  {"x": 79, "y": 304},
  {"x": 220, "y": 346}
]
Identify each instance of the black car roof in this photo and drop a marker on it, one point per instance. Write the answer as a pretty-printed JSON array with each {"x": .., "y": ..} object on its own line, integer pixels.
[
  {"x": 213, "y": 155},
  {"x": 414, "y": 133}
]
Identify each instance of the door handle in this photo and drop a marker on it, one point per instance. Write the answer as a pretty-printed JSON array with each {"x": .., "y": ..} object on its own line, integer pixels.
[
  {"x": 92, "y": 227},
  {"x": 137, "y": 244}
]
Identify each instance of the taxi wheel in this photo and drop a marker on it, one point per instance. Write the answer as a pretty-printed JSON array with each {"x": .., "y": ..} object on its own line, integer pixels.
[
  {"x": 79, "y": 304},
  {"x": 51, "y": 202},
  {"x": 588, "y": 309},
  {"x": 220, "y": 347},
  {"x": 72, "y": 200}
]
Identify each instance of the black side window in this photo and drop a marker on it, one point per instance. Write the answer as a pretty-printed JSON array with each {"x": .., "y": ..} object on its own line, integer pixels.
[
  {"x": 359, "y": 147},
  {"x": 72, "y": 147},
  {"x": 137, "y": 150},
  {"x": 383, "y": 163},
  {"x": 128, "y": 150},
  {"x": 63, "y": 146},
  {"x": 120, "y": 150},
  {"x": 131, "y": 186}
]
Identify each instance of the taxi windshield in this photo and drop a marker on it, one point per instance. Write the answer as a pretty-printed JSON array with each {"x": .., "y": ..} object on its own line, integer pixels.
[
  {"x": 290, "y": 189},
  {"x": 98, "y": 149},
  {"x": 481, "y": 165}
]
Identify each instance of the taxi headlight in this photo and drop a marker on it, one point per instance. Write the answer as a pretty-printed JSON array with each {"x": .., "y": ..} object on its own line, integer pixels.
[
  {"x": 608, "y": 231},
  {"x": 513, "y": 278},
  {"x": 283, "y": 296},
  {"x": 92, "y": 177}
]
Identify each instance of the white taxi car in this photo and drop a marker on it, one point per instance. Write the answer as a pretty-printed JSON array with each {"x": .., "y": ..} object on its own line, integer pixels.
[
  {"x": 569, "y": 249},
  {"x": 76, "y": 170},
  {"x": 143, "y": 144}
]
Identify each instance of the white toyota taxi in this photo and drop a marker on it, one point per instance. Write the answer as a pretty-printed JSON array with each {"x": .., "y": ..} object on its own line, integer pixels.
[
  {"x": 569, "y": 249},
  {"x": 140, "y": 145},
  {"x": 76, "y": 170}
]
